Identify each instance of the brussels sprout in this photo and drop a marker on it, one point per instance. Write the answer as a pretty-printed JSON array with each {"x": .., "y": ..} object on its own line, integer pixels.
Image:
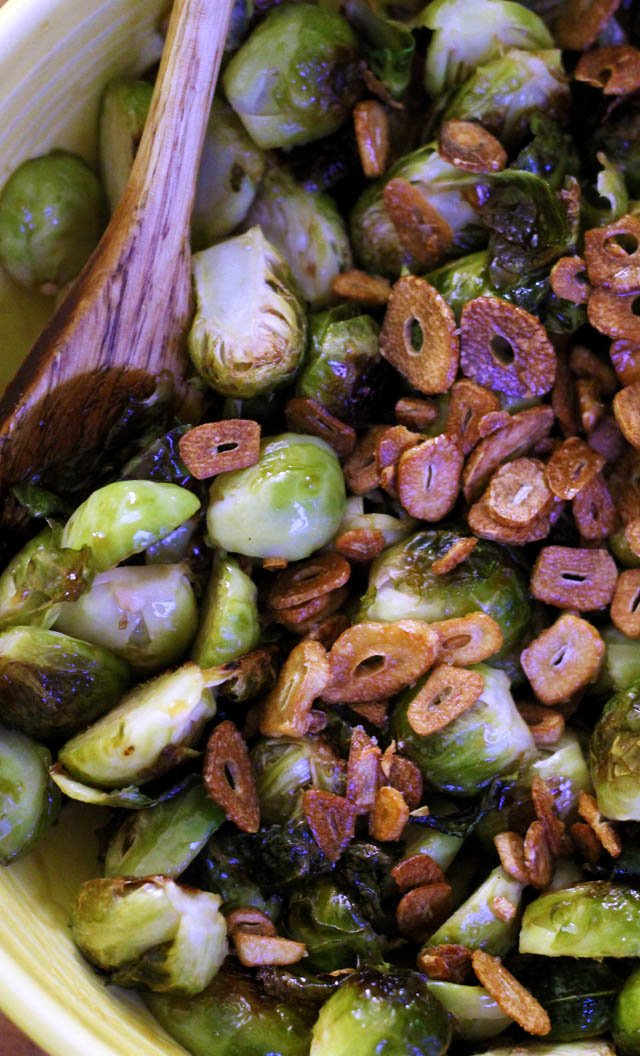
[
  {"x": 164, "y": 838},
  {"x": 285, "y": 767},
  {"x": 41, "y": 576},
  {"x": 287, "y": 505},
  {"x": 552, "y": 154},
  {"x": 626, "y": 1017},
  {"x": 571, "y": 1048},
  {"x": 145, "y": 735},
  {"x": 179, "y": 545},
  {"x": 618, "y": 137},
  {"x": 394, "y": 529},
  {"x": 231, "y": 167},
  {"x": 150, "y": 932},
  {"x": 402, "y": 586},
  {"x": 296, "y": 78},
  {"x": 229, "y": 863},
  {"x": 161, "y": 461},
  {"x": 441, "y": 846},
  {"x": 343, "y": 363},
  {"x": 615, "y": 756},
  {"x": 128, "y": 798},
  {"x": 52, "y": 213},
  {"x": 234, "y": 1017},
  {"x": 229, "y": 625},
  {"x": 463, "y": 280},
  {"x": 621, "y": 550},
  {"x": 29, "y": 801},
  {"x": 578, "y": 996},
  {"x": 473, "y": 925},
  {"x": 124, "y": 518},
  {"x": 332, "y": 928},
  {"x": 52, "y": 685},
  {"x": 504, "y": 93},
  {"x": 288, "y": 854},
  {"x": 375, "y": 1011},
  {"x": 489, "y": 739},
  {"x": 146, "y": 615},
  {"x": 470, "y": 33},
  {"x": 387, "y": 46},
  {"x": 123, "y": 112},
  {"x": 475, "y": 1014},
  {"x": 306, "y": 228},
  {"x": 363, "y": 872},
  {"x": 249, "y": 331},
  {"x": 596, "y": 919},
  {"x": 375, "y": 239},
  {"x": 608, "y": 200}
]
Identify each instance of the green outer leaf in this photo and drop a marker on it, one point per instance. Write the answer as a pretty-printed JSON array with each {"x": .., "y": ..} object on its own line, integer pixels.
[{"x": 595, "y": 919}]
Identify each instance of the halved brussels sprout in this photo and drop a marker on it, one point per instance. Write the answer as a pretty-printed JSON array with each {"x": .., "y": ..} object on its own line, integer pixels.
[
  {"x": 29, "y": 801},
  {"x": 615, "y": 756},
  {"x": 475, "y": 1014},
  {"x": 474, "y": 925},
  {"x": 249, "y": 331},
  {"x": 374, "y": 1011},
  {"x": 147, "y": 734},
  {"x": 577, "y": 995},
  {"x": 331, "y": 926},
  {"x": 296, "y": 78},
  {"x": 306, "y": 228},
  {"x": 52, "y": 213},
  {"x": 287, "y": 505},
  {"x": 124, "y": 518},
  {"x": 626, "y": 1017},
  {"x": 123, "y": 112},
  {"x": 285, "y": 767},
  {"x": 341, "y": 366},
  {"x": 621, "y": 664},
  {"x": 150, "y": 932},
  {"x": 145, "y": 614},
  {"x": 597, "y": 919},
  {"x": 229, "y": 625},
  {"x": 52, "y": 685},
  {"x": 39, "y": 577}
]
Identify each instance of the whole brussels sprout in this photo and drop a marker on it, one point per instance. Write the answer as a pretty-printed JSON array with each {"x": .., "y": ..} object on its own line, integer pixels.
[
  {"x": 146, "y": 615},
  {"x": 375, "y": 1011},
  {"x": 234, "y": 1017},
  {"x": 577, "y": 995},
  {"x": 489, "y": 739},
  {"x": 342, "y": 364},
  {"x": 231, "y": 868},
  {"x": 469, "y": 33},
  {"x": 306, "y": 228},
  {"x": 285, "y": 767},
  {"x": 287, "y": 505},
  {"x": 123, "y": 113},
  {"x": 626, "y": 1017},
  {"x": 402, "y": 586},
  {"x": 475, "y": 1014},
  {"x": 52, "y": 685},
  {"x": 296, "y": 78},
  {"x": 331, "y": 926},
  {"x": 250, "y": 328},
  {"x": 229, "y": 625},
  {"x": 52, "y": 214},
  {"x": 615, "y": 756},
  {"x": 150, "y": 932},
  {"x": 597, "y": 919},
  {"x": 29, "y": 801},
  {"x": 375, "y": 239}
]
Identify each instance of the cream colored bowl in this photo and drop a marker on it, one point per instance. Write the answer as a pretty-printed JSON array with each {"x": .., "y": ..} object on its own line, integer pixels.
[{"x": 55, "y": 56}]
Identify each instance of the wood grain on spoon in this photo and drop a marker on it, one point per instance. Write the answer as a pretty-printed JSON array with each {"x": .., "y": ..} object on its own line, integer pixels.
[{"x": 125, "y": 320}]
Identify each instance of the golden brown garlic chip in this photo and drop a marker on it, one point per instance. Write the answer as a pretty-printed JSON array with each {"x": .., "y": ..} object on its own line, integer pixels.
[
  {"x": 359, "y": 286},
  {"x": 406, "y": 777},
  {"x": 305, "y": 415},
  {"x": 537, "y": 856},
  {"x": 569, "y": 280},
  {"x": 360, "y": 544},
  {"x": 510, "y": 848},
  {"x": 469, "y": 146},
  {"x": 250, "y": 919},
  {"x": 573, "y": 578},
  {"x": 467, "y": 640},
  {"x": 428, "y": 478},
  {"x": 371, "y": 125},
  {"x": 502, "y": 908},
  {"x": 299, "y": 618},
  {"x": 586, "y": 842},
  {"x": 253, "y": 950},
  {"x": 416, "y": 870},
  {"x": 390, "y": 446},
  {"x": 468, "y": 405},
  {"x": 632, "y": 535},
  {"x": 416, "y": 414},
  {"x": 363, "y": 771},
  {"x": 421, "y": 911},
  {"x": 326, "y": 631},
  {"x": 286, "y": 711},
  {"x": 589, "y": 810},
  {"x": 374, "y": 660},
  {"x": 486, "y": 526},
  {"x": 217, "y": 447},
  {"x": 563, "y": 397},
  {"x": 455, "y": 555},
  {"x": 518, "y": 493},
  {"x": 448, "y": 962},
  {"x": 594, "y": 511},
  {"x": 580, "y": 21},
  {"x": 586, "y": 364},
  {"x": 511, "y": 996},
  {"x": 332, "y": 820},
  {"x": 625, "y": 356},
  {"x": 614, "y": 314},
  {"x": 419, "y": 336},
  {"x": 447, "y": 694},
  {"x": 519, "y": 434},
  {"x": 626, "y": 407},
  {"x": 506, "y": 348},
  {"x": 226, "y": 754},
  {"x": 590, "y": 405},
  {"x": 615, "y": 69},
  {"x": 389, "y": 816},
  {"x": 545, "y": 725},
  {"x": 612, "y": 255},
  {"x": 571, "y": 467},
  {"x": 555, "y": 830},
  {"x": 625, "y": 607},
  {"x": 308, "y": 579},
  {"x": 424, "y": 233},
  {"x": 361, "y": 469}
]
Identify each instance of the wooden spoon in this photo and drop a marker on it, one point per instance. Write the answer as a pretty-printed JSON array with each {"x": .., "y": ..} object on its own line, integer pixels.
[{"x": 125, "y": 320}]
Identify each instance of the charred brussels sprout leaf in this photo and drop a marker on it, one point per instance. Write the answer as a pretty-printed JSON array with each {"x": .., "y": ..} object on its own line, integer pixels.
[
  {"x": 234, "y": 1017},
  {"x": 229, "y": 624},
  {"x": 52, "y": 685},
  {"x": 596, "y": 919},
  {"x": 289, "y": 853},
  {"x": 615, "y": 756},
  {"x": 285, "y": 768},
  {"x": 551, "y": 154},
  {"x": 39, "y": 502},
  {"x": 296, "y": 78},
  {"x": 150, "y": 933},
  {"x": 160, "y": 460},
  {"x": 463, "y": 280},
  {"x": 40, "y": 577},
  {"x": 388, "y": 46},
  {"x": 123, "y": 113},
  {"x": 52, "y": 213},
  {"x": 231, "y": 868},
  {"x": 29, "y": 801},
  {"x": 343, "y": 363},
  {"x": 249, "y": 331},
  {"x": 578, "y": 996},
  {"x": 363, "y": 872},
  {"x": 375, "y": 1011},
  {"x": 332, "y": 928}
]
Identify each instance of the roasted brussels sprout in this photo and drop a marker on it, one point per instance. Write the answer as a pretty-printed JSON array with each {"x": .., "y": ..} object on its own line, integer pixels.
[
  {"x": 39, "y": 577},
  {"x": 387, "y": 45},
  {"x": 229, "y": 625},
  {"x": 475, "y": 1014},
  {"x": 376, "y": 1010},
  {"x": 165, "y": 838},
  {"x": 124, "y": 518},
  {"x": 146, "y": 615},
  {"x": 123, "y": 112},
  {"x": 287, "y": 505},
  {"x": 332, "y": 928},
  {"x": 626, "y": 1017},
  {"x": 615, "y": 756},
  {"x": 29, "y": 801},
  {"x": 394, "y": 529},
  {"x": 147, "y": 734},
  {"x": 473, "y": 925},
  {"x": 596, "y": 919},
  {"x": 463, "y": 280},
  {"x": 343, "y": 361},
  {"x": 306, "y": 228},
  {"x": 296, "y": 78},
  {"x": 402, "y": 586},
  {"x": 52, "y": 213},
  {"x": 285, "y": 767},
  {"x": 578, "y": 995},
  {"x": 52, "y": 685},
  {"x": 249, "y": 331},
  {"x": 230, "y": 862},
  {"x": 621, "y": 664},
  {"x": 149, "y": 932},
  {"x": 468, "y": 35},
  {"x": 618, "y": 138},
  {"x": 234, "y": 1017}
]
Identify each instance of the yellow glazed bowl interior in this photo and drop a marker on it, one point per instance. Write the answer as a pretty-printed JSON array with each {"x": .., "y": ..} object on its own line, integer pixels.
[{"x": 55, "y": 57}]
